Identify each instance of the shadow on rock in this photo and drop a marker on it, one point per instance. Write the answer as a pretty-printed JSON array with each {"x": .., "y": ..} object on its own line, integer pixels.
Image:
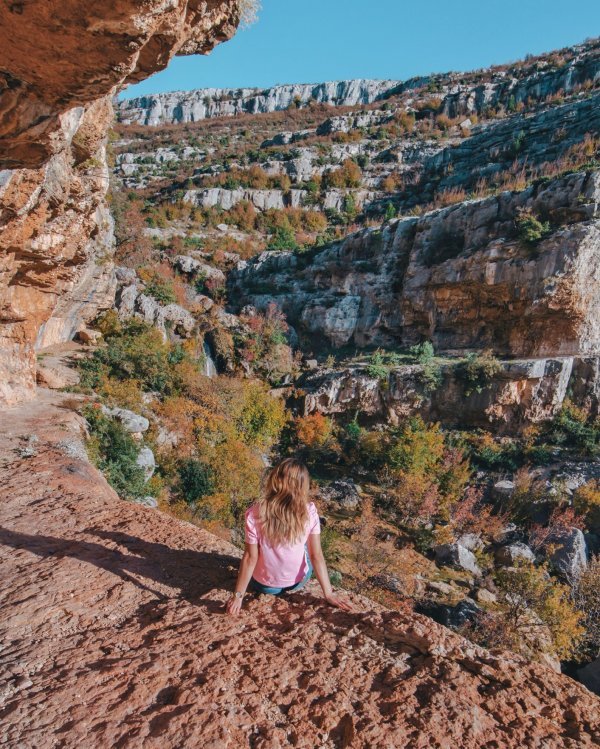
[{"x": 193, "y": 573}]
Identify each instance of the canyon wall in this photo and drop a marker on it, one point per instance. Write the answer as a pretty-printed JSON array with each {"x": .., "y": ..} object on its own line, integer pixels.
[
  {"x": 458, "y": 92},
  {"x": 462, "y": 277},
  {"x": 62, "y": 63},
  {"x": 191, "y": 106}
]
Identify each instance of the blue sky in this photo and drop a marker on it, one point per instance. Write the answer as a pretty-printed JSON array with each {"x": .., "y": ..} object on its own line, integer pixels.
[{"x": 308, "y": 41}]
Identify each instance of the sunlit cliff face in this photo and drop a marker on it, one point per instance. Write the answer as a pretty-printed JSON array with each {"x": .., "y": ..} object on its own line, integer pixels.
[{"x": 61, "y": 66}]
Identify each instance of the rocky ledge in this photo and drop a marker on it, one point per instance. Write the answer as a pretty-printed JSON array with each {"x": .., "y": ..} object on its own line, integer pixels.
[
  {"x": 463, "y": 277},
  {"x": 522, "y": 392},
  {"x": 141, "y": 654}
]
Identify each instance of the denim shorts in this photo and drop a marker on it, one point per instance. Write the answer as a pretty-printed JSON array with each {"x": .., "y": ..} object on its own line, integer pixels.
[{"x": 267, "y": 590}]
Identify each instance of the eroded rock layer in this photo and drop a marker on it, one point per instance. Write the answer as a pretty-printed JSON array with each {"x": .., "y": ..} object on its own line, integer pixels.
[
  {"x": 462, "y": 94},
  {"x": 61, "y": 65},
  {"x": 522, "y": 392},
  {"x": 112, "y": 633},
  {"x": 463, "y": 277}
]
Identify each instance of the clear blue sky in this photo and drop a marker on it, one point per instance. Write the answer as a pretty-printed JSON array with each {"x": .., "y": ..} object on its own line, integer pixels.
[{"x": 309, "y": 41}]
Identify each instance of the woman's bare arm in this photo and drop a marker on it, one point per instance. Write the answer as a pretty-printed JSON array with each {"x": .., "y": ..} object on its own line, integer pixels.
[
  {"x": 247, "y": 566},
  {"x": 320, "y": 567}
]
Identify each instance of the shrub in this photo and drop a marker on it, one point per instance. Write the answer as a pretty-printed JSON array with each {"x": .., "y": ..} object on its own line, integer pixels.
[
  {"x": 477, "y": 370},
  {"x": 136, "y": 352},
  {"x": 258, "y": 417},
  {"x": 489, "y": 453},
  {"x": 157, "y": 287},
  {"x": 427, "y": 476},
  {"x": 377, "y": 366},
  {"x": 114, "y": 451},
  {"x": 530, "y": 229},
  {"x": 526, "y": 589},
  {"x": 390, "y": 212},
  {"x": 431, "y": 374},
  {"x": 415, "y": 498},
  {"x": 353, "y": 432},
  {"x": 123, "y": 393},
  {"x": 389, "y": 184},
  {"x": 572, "y": 428},
  {"x": 471, "y": 515},
  {"x": 108, "y": 323},
  {"x": 348, "y": 175},
  {"x": 313, "y": 430},
  {"x": 561, "y": 519},
  {"x": 586, "y": 597},
  {"x": 265, "y": 347},
  {"x": 417, "y": 447},
  {"x": 283, "y": 238},
  {"x": 195, "y": 480},
  {"x": 586, "y": 503}
]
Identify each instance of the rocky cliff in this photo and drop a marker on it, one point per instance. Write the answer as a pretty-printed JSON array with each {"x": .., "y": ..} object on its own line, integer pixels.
[
  {"x": 190, "y": 106},
  {"x": 459, "y": 93},
  {"x": 61, "y": 66},
  {"x": 462, "y": 277},
  {"x": 113, "y": 634}
]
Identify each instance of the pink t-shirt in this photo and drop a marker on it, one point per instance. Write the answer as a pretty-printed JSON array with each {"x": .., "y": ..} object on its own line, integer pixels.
[{"x": 280, "y": 566}]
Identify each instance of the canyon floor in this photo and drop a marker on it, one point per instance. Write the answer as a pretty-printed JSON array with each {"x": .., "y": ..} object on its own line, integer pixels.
[{"x": 113, "y": 635}]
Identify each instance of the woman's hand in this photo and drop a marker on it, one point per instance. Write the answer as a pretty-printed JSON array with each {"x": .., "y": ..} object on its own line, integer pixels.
[
  {"x": 234, "y": 605},
  {"x": 339, "y": 603}
]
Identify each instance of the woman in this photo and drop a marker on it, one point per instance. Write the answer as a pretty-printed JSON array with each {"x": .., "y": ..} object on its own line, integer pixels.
[{"x": 283, "y": 541}]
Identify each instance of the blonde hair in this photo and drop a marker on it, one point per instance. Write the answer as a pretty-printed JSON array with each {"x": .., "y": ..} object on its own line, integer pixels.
[{"x": 283, "y": 507}]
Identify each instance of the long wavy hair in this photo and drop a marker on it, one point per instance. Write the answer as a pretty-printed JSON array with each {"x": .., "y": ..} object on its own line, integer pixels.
[{"x": 283, "y": 506}]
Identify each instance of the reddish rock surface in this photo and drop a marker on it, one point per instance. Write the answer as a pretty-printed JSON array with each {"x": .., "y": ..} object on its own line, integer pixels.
[
  {"x": 112, "y": 634},
  {"x": 60, "y": 65}
]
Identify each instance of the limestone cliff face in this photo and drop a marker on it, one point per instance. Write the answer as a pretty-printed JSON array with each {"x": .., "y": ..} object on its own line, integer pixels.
[
  {"x": 61, "y": 65},
  {"x": 204, "y": 103},
  {"x": 459, "y": 93},
  {"x": 522, "y": 392},
  {"x": 460, "y": 277}
]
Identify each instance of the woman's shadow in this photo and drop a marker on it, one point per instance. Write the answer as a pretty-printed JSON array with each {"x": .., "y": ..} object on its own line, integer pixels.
[{"x": 189, "y": 573}]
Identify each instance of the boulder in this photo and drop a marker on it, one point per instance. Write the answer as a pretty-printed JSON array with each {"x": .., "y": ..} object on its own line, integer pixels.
[
  {"x": 513, "y": 554},
  {"x": 202, "y": 302},
  {"x": 166, "y": 438},
  {"x": 388, "y": 582},
  {"x": 455, "y": 555},
  {"x": 509, "y": 533},
  {"x": 125, "y": 301},
  {"x": 192, "y": 267},
  {"x": 569, "y": 552},
  {"x": 147, "y": 502},
  {"x": 182, "y": 321},
  {"x": 131, "y": 421},
  {"x": 89, "y": 336},
  {"x": 453, "y": 616},
  {"x": 438, "y": 586},
  {"x": 471, "y": 541},
  {"x": 125, "y": 276},
  {"x": 56, "y": 376},
  {"x": 343, "y": 493},
  {"x": 145, "y": 460},
  {"x": 504, "y": 489},
  {"x": 483, "y": 595}
]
